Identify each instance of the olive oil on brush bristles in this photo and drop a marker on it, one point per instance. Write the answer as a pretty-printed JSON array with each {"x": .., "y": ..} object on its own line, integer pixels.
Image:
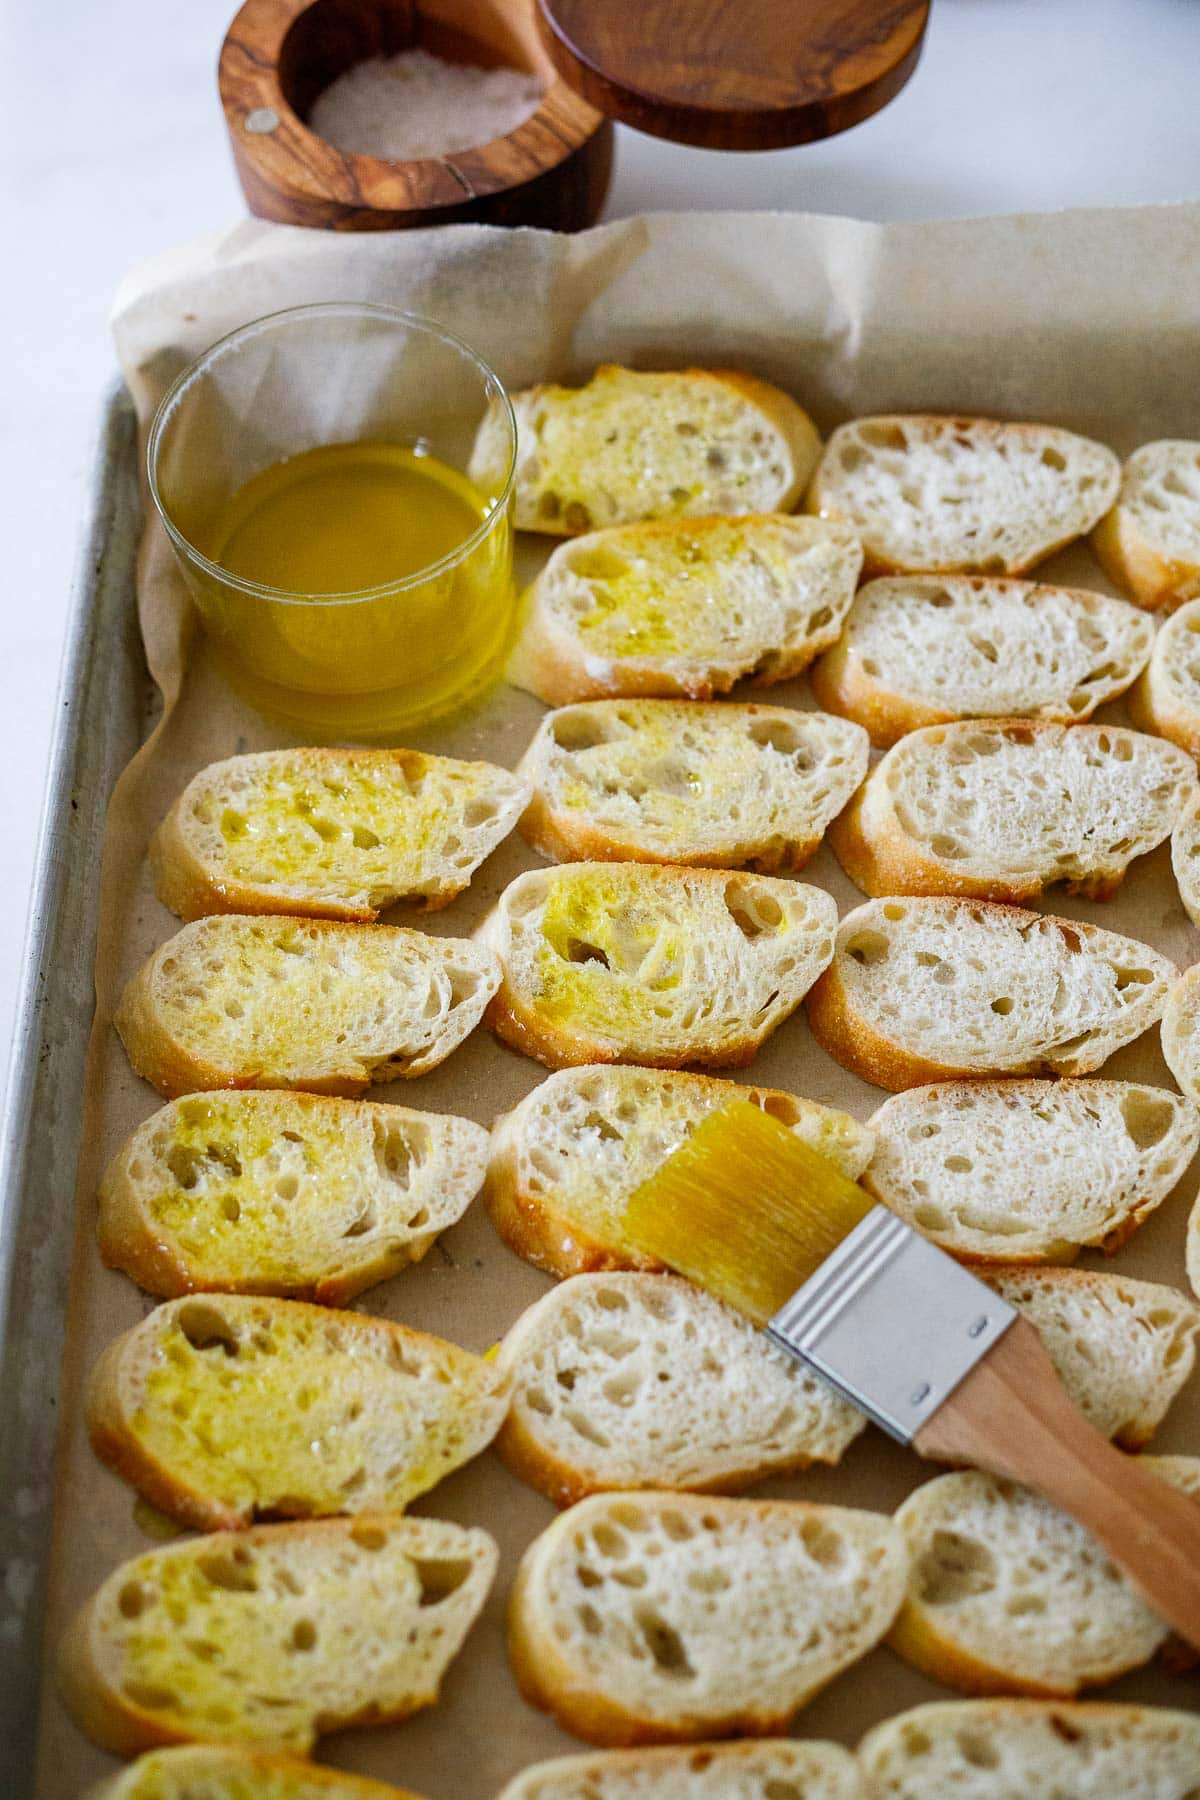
[{"x": 745, "y": 1209}]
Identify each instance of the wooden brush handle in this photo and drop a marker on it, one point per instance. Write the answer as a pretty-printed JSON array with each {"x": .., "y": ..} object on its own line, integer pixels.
[{"x": 1012, "y": 1417}]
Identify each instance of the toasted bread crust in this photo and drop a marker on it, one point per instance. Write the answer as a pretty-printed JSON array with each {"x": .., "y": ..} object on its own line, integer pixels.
[
  {"x": 842, "y": 686},
  {"x": 533, "y": 1034},
  {"x": 212, "y": 1760},
  {"x": 561, "y": 836},
  {"x": 1147, "y": 577},
  {"x": 865, "y": 1052},
  {"x": 915, "y": 1637},
  {"x": 798, "y": 1760},
  {"x": 1155, "y": 701}
]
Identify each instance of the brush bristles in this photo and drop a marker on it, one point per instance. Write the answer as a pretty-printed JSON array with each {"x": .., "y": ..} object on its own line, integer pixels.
[{"x": 744, "y": 1209}]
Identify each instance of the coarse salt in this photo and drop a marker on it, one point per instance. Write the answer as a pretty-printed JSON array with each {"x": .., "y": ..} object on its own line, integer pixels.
[{"x": 418, "y": 104}]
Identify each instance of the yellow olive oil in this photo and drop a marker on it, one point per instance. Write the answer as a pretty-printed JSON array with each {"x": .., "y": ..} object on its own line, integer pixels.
[
  {"x": 346, "y": 517},
  {"x": 340, "y": 645}
]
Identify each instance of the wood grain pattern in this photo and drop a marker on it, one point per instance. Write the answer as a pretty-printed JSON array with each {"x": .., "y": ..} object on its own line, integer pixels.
[
  {"x": 278, "y": 55},
  {"x": 1011, "y": 1416},
  {"x": 736, "y": 74}
]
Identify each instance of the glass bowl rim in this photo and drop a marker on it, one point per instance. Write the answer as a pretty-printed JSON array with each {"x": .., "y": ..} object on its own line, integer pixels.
[{"x": 391, "y": 315}]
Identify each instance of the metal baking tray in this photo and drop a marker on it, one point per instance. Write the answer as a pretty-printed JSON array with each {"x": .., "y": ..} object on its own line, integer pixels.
[{"x": 103, "y": 709}]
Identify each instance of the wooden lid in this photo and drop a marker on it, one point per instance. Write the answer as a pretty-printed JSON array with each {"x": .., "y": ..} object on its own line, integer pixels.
[{"x": 735, "y": 74}]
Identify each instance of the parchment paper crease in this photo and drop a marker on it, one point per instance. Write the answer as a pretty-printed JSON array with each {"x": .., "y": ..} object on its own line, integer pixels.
[{"x": 1090, "y": 320}]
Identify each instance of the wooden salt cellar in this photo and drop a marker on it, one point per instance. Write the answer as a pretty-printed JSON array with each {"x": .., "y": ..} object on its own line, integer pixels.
[
  {"x": 724, "y": 74},
  {"x": 552, "y": 170}
]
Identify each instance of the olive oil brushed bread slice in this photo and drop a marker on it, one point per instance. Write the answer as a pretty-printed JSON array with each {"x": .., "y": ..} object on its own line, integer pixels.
[
  {"x": 334, "y": 834},
  {"x": 212, "y": 1406},
  {"x": 679, "y": 781},
  {"x": 1005, "y": 1749},
  {"x": 1149, "y": 541},
  {"x": 1008, "y": 1595},
  {"x": 931, "y": 989},
  {"x": 928, "y": 649},
  {"x": 231, "y": 1772},
  {"x": 1030, "y": 1171},
  {"x": 664, "y": 1618},
  {"x": 762, "y": 1769},
  {"x": 330, "y": 1623},
  {"x": 1003, "y": 809},
  {"x": 645, "y": 963},
  {"x": 565, "y": 1160},
  {"x": 244, "y": 1001},
  {"x": 299, "y": 1195},
  {"x": 632, "y": 444},
  {"x": 685, "y": 609},
  {"x": 629, "y": 1380},
  {"x": 935, "y": 494}
]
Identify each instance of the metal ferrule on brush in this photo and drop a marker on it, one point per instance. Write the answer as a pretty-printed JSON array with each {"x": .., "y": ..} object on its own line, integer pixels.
[{"x": 892, "y": 1322}]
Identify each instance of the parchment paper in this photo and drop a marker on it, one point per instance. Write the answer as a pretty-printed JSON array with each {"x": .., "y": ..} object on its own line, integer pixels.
[{"x": 1090, "y": 320}]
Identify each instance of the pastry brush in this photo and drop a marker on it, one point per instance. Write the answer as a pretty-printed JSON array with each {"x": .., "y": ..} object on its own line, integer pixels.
[{"x": 746, "y": 1210}]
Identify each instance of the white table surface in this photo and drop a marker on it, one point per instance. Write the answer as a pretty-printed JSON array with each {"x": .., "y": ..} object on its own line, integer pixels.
[{"x": 112, "y": 146}]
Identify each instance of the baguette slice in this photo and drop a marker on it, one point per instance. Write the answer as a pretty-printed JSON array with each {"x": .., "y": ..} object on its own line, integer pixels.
[
  {"x": 630, "y": 962},
  {"x": 685, "y": 610},
  {"x": 1003, "y": 809},
  {"x": 1149, "y": 541},
  {"x": 766, "y": 1769},
  {"x": 664, "y": 1618},
  {"x": 678, "y": 781},
  {"x": 926, "y": 650},
  {"x": 931, "y": 494},
  {"x": 1167, "y": 697},
  {"x": 289, "y": 1194},
  {"x": 238, "y": 1001},
  {"x": 931, "y": 989},
  {"x": 634, "y": 445},
  {"x": 275, "y": 1635},
  {"x": 1122, "y": 1348},
  {"x": 1008, "y": 1595},
  {"x": 1032, "y": 1750},
  {"x": 1181, "y": 1031},
  {"x": 564, "y": 1162},
  {"x": 334, "y": 834},
  {"x": 1030, "y": 1171},
  {"x": 225, "y": 1409},
  {"x": 227, "y": 1772},
  {"x": 634, "y": 1381},
  {"x": 1185, "y": 860}
]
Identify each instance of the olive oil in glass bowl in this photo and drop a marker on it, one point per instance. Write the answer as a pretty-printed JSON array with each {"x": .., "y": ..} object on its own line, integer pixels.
[{"x": 310, "y": 471}]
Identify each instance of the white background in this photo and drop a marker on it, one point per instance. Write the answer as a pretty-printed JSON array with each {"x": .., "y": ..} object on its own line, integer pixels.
[{"x": 112, "y": 145}]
